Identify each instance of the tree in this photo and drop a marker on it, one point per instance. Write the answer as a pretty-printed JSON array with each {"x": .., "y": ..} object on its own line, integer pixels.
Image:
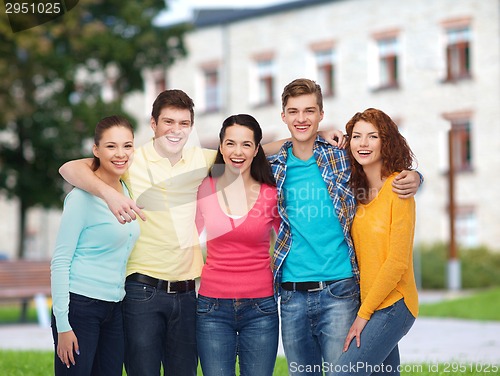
[{"x": 53, "y": 77}]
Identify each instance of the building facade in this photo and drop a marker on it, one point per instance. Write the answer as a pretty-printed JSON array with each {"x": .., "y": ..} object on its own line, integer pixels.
[{"x": 433, "y": 66}]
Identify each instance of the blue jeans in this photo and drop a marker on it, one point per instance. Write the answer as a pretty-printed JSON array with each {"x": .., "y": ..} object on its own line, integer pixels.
[
  {"x": 98, "y": 327},
  {"x": 314, "y": 325},
  {"x": 160, "y": 328},
  {"x": 378, "y": 353},
  {"x": 247, "y": 328}
]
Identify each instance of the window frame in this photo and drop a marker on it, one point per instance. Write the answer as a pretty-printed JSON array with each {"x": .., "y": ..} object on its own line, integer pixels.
[
  {"x": 211, "y": 90},
  {"x": 325, "y": 64},
  {"x": 462, "y": 144},
  {"x": 457, "y": 50},
  {"x": 265, "y": 79},
  {"x": 388, "y": 62}
]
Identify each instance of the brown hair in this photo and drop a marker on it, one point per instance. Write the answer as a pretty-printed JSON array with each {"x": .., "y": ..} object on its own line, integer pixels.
[
  {"x": 105, "y": 124},
  {"x": 396, "y": 154},
  {"x": 172, "y": 98},
  {"x": 302, "y": 86}
]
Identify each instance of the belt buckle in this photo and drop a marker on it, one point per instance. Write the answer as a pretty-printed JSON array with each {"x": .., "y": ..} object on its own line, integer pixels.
[
  {"x": 169, "y": 291},
  {"x": 321, "y": 286}
]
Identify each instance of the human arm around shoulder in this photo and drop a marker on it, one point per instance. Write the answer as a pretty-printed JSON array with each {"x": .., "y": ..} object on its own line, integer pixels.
[
  {"x": 79, "y": 173},
  {"x": 274, "y": 147},
  {"x": 407, "y": 183},
  {"x": 334, "y": 137}
]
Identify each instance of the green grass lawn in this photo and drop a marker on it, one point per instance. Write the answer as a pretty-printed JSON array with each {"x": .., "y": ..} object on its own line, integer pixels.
[
  {"x": 483, "y": 305},
  {"x": 35, "y": 363},
  {"x": 11, "y": 313}
]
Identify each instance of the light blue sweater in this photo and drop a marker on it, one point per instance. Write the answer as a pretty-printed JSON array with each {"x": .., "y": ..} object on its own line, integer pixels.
[{"x": 91, "y": 254}]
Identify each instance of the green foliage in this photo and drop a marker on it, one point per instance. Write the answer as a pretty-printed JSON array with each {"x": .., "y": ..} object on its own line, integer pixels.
[
  {"x": 484, "y": 305},
  {"x": 479, "y": 266},
  {"x": 54, "y": 76}
]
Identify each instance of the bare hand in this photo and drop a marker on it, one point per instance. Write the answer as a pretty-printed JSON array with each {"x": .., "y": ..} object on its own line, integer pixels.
[
  {"x": 355, "y": 331},
  {"x": 123, "y": 208},
  {"x": 334, "y": 137},
  {"x": 67, "y": 346},
  {"x": 406, "y": 184}
]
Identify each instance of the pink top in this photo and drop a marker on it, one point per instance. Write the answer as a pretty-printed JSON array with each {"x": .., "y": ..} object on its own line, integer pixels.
[{"x": 238, "y": 261}]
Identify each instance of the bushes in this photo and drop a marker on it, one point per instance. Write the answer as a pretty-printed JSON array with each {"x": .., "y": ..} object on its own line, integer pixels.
[{"x": 480, "y": 267}]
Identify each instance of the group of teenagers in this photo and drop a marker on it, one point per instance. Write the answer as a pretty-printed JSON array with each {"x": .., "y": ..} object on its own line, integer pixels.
[{"x": 320, "y": 228}]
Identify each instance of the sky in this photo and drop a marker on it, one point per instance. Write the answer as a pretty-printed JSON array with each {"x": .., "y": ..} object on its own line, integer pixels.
[{"x": 181, "y": 9}]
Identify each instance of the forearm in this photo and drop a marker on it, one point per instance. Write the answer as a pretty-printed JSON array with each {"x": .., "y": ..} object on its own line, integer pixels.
[
  {"x": 79, "y": 174},
  {"x": 274, "y": 147}
]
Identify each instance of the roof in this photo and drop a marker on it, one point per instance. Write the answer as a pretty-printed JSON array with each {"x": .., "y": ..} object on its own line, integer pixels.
[{"x": 218, "y": 16}]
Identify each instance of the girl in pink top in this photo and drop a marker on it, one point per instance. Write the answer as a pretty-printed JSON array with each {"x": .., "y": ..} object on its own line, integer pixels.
[{"x": 236, "y": 313}]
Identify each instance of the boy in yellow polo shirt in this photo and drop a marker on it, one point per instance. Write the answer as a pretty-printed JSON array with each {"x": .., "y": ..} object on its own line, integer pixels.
[{"x": 160, "y": 303}]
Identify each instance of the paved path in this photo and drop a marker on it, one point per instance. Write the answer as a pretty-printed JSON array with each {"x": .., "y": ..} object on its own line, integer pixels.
[{"x": 451, "y": 340}]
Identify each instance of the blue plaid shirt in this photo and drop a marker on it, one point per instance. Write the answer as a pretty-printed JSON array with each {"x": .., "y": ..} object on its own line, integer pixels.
[{"x": 335, "y": 170}]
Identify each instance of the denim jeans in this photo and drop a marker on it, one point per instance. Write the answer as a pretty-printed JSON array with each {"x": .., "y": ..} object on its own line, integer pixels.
[
  {"x": 314, "y": 325},
  {"x": 247, "y": 328},
  {"x": 378, "y": 353},
  {"x": 160, "y": 328},
  {"x": 98, "y": 327}
]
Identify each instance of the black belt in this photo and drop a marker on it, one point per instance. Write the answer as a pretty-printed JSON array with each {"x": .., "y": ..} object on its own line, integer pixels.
[
  {"x": 305, "y": 286},
  {"x": 160, "y": 284}
]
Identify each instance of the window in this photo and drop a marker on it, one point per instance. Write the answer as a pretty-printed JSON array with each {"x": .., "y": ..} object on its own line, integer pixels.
[
  {"x": 466, "y": 226},
  {"x": 325, "y": 71},
  {"x": 160, "y": 84},
  {"x": 212, "y": 90},
  {"x": 461, "y": 138},
  {"x": 265, "y": 78},
  {"x": 388, "y": 62},
  {"x": 458, "y": 53}
]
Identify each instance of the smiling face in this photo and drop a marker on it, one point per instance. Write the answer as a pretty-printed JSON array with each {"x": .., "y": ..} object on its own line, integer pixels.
[
  {"x": 366, "y": 145},
  {"x": 238, "y": 149},
  {"x": 302, "y": 116},
  {"x": 171, "y": 132},
  {"x": 114, "y": 151}
]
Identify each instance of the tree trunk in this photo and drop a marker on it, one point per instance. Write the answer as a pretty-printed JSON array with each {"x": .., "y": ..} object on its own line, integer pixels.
[{"x": 22, "y": 229}]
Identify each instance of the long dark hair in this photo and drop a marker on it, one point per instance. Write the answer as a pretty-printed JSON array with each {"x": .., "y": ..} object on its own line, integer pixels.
[
  {"x": 260, "y": 169},
  {"x": 103, "y": 125},
  {"x": 396, "y": 154}
]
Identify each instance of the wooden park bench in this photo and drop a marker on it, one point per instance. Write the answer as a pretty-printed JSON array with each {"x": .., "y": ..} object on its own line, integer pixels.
[{"x": 24, "y": 281}]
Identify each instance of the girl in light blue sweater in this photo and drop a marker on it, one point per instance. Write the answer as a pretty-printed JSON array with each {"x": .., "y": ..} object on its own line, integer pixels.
[{"x": 89, "y": 262}]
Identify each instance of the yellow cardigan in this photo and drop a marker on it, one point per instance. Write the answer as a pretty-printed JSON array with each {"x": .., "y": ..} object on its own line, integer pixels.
[{"x": 382, "y": 232}]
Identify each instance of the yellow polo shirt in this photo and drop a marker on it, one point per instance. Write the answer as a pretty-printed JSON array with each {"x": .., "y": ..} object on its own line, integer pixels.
[
  {"x": 168, "y": 246},
  {"x": 382, "y": 232}
]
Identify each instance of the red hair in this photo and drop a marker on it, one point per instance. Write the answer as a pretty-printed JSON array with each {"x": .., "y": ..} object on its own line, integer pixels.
[{"x": 396, "y": 154}]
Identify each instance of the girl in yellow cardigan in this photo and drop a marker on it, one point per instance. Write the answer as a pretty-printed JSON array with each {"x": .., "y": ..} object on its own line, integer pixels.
[{"x": 382, "y": 232}]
